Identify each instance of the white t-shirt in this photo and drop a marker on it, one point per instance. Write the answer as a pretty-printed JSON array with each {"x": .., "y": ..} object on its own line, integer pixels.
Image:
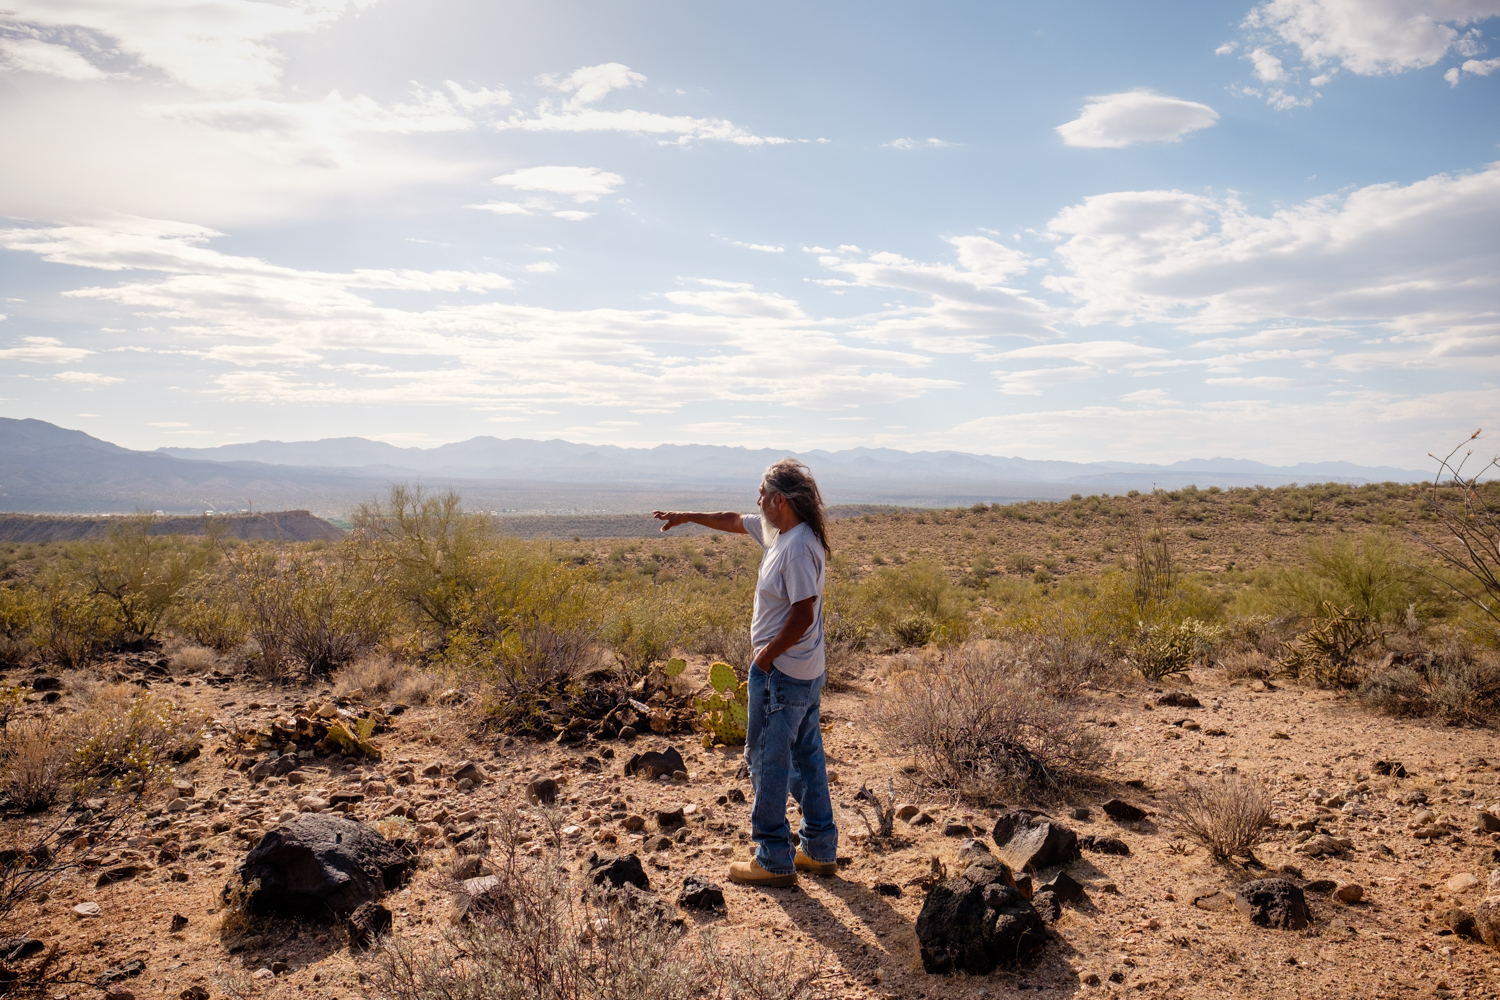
[{"x": 791, "y": 571}]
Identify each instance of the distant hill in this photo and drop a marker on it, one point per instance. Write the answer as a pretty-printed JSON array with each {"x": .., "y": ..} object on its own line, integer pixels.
[
  {"x": 282, "y": 526},
  {"x": 46, "y": 468}
]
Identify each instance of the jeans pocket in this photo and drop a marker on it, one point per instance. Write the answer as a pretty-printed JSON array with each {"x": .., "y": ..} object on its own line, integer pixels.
[{"x": 789, "y": 692}]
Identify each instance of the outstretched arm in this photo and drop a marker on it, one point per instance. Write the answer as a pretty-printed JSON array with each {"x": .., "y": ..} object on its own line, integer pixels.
[{"x": 726, "y": 520}]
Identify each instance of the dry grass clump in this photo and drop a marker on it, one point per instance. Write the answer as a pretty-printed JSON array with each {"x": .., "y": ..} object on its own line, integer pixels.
[
  {"x": 131, "y": 736},
  {"x": 34, "y": 763},
  {"x": 191, "y": 658},
  {"x": 538, "y": 935},
  {"x": 384, "y": 676},
  {"x": 979, "y": 721},
  {"x": 1248, "y": 664},
  {"x": 1228, "y": 815},
  {"x": 1456, "y": 683}
]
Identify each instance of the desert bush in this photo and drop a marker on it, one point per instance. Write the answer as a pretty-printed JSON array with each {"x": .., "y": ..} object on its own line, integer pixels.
[
  {"x": 1228, "y": 815},
  {"x": 211, "y": 617},
  {"x": 1327, "y": 653},
  {"x": 1456, "y": 683},
  {"x": 18, "y": 611},
  {"x": 538, "y": 935},
  {"x": 193, "y": 659},
  {"x": 32, "y": 763},
  {"x": 370, "y": 676},
  {"x": 139, "y": 576},
  {"x": 914, "y": 604},
  {"x": 318, "y": 611},
  {"x": 1468, "y": 509},
  {"x": 431, "y": 554},
  {"x": 1161, "y": 649},
  {"x": 1153, "y": 572},
  {"x": 133, "y": 738},
  {"x": 977, "y": 722},
  {"x": 1247, "y": 664},
  {"x": 1374, "y": 576},
  {"x": 729, "y": 643}
]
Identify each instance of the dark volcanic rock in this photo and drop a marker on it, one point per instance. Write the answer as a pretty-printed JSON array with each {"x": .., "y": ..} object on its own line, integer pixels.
[
  {"x": 653, "y": 764},
  {"x": 1121, "y": 810},
  {"x": 618, "y": 871},
  {"x": 542, "y": 791},
  {"x": 977, "y": 922},
  {"x": 134, "y": 967},
  {"x": 887, "y": 889},
  {"x": 1179, "y": 699},
  {"x": 274, "y": 767},
  {"x": 366, "y": 923},
  {"x": 1066, "y": 888},
  {"x": 1273, "y": 902},
  {"x": 322, "y": 865},
  {"x": 1028, "y": 842},
  {"x": 13, "y": 950},
  {"x": 1104, "y": 845},
  {"x": 701, "y": 894}
]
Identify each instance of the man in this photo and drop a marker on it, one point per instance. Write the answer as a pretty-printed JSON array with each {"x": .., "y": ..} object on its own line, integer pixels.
[{"x": 783, "y": 744}]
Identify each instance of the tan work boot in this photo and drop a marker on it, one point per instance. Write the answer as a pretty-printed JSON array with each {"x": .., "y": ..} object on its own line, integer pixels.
[
  {"x": 807, "y": 864},
  {"x": 751, "y": 873}
]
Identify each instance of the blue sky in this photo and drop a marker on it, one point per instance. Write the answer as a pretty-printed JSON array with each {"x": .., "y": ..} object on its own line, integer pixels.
[{"x": 1079, "y": 230}]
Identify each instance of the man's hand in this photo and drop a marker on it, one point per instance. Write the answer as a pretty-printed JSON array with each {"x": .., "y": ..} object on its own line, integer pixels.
[{"x": 723, "y": 521}]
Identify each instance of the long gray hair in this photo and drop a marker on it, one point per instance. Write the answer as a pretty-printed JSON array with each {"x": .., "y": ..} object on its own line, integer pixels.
[{"x": 794, "y": 481}]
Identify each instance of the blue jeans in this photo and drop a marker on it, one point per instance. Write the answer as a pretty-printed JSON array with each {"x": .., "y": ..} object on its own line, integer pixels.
[{"x": 784, "y": 751}]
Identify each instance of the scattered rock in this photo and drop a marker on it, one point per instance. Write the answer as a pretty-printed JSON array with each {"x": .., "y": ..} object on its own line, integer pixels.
[
  {"x": 654, "y": 764},
  {"x": 634, "y": 822},
  {"x": 972, "y": 850},
  {"x": 471, "y": 771},
  {"x": 178, "y": 922},
  {"x": 1487, "y": 821},
  {"x": 922, "y": 819},
  {"x": 298, "y": 777},
  {"x": 15, "y": 950},
  {"x": 1321, "y": 844},
  {"x": 735, "y": 796},
  {"x": 618, "y": 871},
  {"x": 88, "y": 910},
  {"x": 482, "y": 896},
  {"x": 1080, "y": 813},
  {"x": 322, "y": 865},
  {"x": 1349, "y": 893},
  {"x": 118, "y": 992},
  {"x": 123, "y": 873},
  {"x": 1273, "y": 902},
  {"x": 193, "y": 993},
  {"x": 1460, "y": 922},
  {"x": 1029, "y": 842},
  {"x": 432, "y": 770},
  {"x": 955, "y": 829},
  {"x": 1318, "y": 887},
  {"x": 670, "y": 819},
  {"x": 1066, "y": 888},
  {"x": 701, "y": 894},
  {"x": 887, "y": 889},
  {"x": 1125, "y": 812},
  {"x": 977, "y": 922},
  {"x": 125, "y": 970},
  {"x": 1279, "y": 735},
  {"x": 1179, "y": 699},
  {"x": 274, "y": 767},
  {"x": 1391, "y": 769},
  {"x": 1487, "y": 920},
  {"x": 542, "y": 791},
  {"x": 366, "y": 923},
  {"x": 1462, "y": 882},
  {"x": 1211, "y": 899},
  {"x": 659, "y": 843},
  {"x": 1104, "y": 845},
  {"x": 906, "y": 811}
]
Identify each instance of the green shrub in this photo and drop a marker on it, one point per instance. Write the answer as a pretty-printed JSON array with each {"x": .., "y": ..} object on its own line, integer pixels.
[
  {"x": 1374, "y": 576},
  {"x": 1328, "y": 651},
  {"x": 140, "y": 576}
]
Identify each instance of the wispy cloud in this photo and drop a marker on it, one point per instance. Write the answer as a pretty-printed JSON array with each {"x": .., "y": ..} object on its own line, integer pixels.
[{"x": 1115, "y": 121}]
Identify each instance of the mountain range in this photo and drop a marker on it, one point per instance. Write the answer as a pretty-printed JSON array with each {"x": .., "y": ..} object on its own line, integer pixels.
[{"x": 44, "y": 467}]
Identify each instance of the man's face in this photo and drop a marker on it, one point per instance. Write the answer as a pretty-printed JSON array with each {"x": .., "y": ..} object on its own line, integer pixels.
[{"x": 769, "y": 501}]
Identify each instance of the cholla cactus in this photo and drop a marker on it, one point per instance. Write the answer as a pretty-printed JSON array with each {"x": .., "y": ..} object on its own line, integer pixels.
[{"x": 727, "y": 711}]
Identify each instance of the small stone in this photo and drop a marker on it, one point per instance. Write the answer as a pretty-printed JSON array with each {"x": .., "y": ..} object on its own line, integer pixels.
[
  {"x": 1349, "y": 892},
  {"x": 627, "y": 733},
  {"x": 670, "y": 819},
  {"x": 1081, "y": 813},
  {"x": 471, "y": 770},
  {"x": 679, "y": 777},
  {"x": 906, "y": 811},
  {"x": 1273, "y": 902},
  {"x": 634, "y": 822},
  {"x": 701, "y": 894},
  {"x": 178, "y": 922},
  {"x": 922, "y": 819},
  {"x": 432, "y": 770},
  {"x": 1487, "y": 821},
  {"x": 134, "y": 967},
  {"x": 887, "y": 889},
  {"x": 972, "y": 850},
  {"x": 1125, "y": 812},
  {"x": 618, "y": 871},
  {"x": 88, "y": 910},
  {"x": 119, "y": 993},
  {"x": 1089, "y": 978},
  {"x": 659, "y": 843},
  {"x": 1211, "y": 899},
  {"x": 262, "y": 974},
  {"x": 193, "y": 993},
  {"x": 312, "y": 804},
  {"x": 298, "y": 777},
  {"x": 464, "y": 784},
  {"x": 542, "y": 791},
  {"x": 1279, "y": 735},
  {"x": 1463, "y": 882},
  {"x": 955, "y": 829},
  {"x": 279, "y": 967},
  {"x": 365, "y": 924}
]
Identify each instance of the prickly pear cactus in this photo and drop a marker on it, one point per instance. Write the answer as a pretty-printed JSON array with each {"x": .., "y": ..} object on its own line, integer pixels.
[
  {"x": 674, "y": 667},
  {"x": 726, "y": 712}
]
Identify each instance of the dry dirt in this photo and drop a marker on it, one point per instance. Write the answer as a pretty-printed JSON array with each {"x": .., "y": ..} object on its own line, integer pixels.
[{"x": 1140, "y": 926}]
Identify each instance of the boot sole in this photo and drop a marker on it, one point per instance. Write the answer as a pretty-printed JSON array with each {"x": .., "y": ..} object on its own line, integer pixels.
[
  {"x": 819, "y": 869},
  {"x": 778, "y": 882}
]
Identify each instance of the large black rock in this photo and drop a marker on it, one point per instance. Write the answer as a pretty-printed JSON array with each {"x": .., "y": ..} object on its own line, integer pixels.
[
  {"x": 618, "y": 871},
  {"x": 653, "y": 764},
  {"x": 1273, "y": 902},
  {"x": 1031, "y": 842},
  {"x": 976, "y": 922},
  {"x": 322, "y": 866}
]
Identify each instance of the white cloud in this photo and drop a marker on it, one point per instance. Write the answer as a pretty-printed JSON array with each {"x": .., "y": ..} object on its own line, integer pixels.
[
  {"x": 32, "y": 55},
  {"x": 574, "y": 215},
  {"x": 1473, "y": 67},
  {"x": 502, "y": 208},
  {"x": 543, "y": 267},
  {"x": 1373, "y": 37},
  {"x": 87, "y": 378},
  {"x": 169, "y": 423},
  {"x": 1267, "y": 66},
  {"x": 1115, "y": 121},
  {"x": 762, "y": 247},
  {"x": 1255, "y": 381},
  {"x": 283, "y": 334},
  {"x": 591, "y": 83},
  {"x": 916, "y": 143},
  {"x": 1034, "y": 382},
  {"x": 212, "y": 46},
  {"x": 44, "y": 350},
  {"x": 582, "y": 184},
  {"x": 1147, "y": 396},
  {"x": 1416, "y": 260}
]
